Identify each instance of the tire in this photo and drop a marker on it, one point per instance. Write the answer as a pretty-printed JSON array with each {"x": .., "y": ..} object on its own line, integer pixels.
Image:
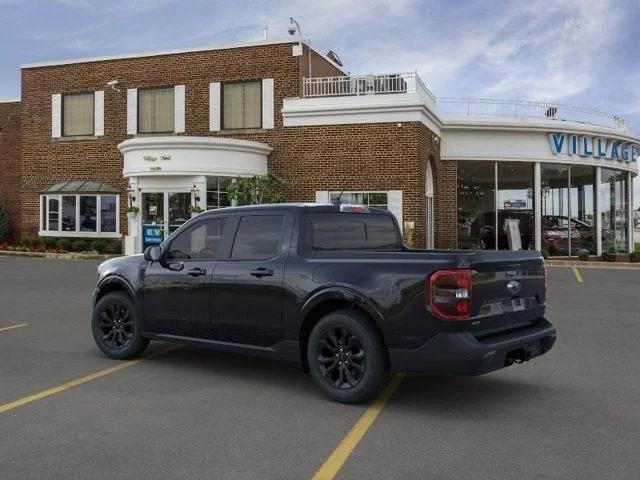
[
  {"x": 115, "y": 327},
  {"x": 357, "y": 372}
]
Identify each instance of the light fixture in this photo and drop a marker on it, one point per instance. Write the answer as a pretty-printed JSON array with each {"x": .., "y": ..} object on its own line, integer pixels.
[
  {"x": 294, "y": 27},
  {"x": 131, "y": 191},
  {"x": 196, "y": 193}
]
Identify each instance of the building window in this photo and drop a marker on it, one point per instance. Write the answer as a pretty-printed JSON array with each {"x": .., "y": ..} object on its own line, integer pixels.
[
  {"x": 217, "y": 192},
  {"x": 516, "y": 204},
  {"x": 78, "y": 114},
  {"x": 614, "y": 210},
  {"x": 241, "y": 105},
  {"x": 367, "y": 199},
  {"x": 476, "y": 205},
  {"x": 79, "y": 215},
  {"x": 156, "y": 110}
]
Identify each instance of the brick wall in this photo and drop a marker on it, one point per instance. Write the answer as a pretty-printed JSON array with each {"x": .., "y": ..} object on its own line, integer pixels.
[
  {"x": 10, "y": 159},
  {"x": 46, "y": 161},
  {"x": 354, "y": 157}
]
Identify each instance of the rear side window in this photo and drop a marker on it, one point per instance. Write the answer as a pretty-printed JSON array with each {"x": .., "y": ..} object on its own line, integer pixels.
[
  {"x": 353, "y": 231},
  {"x": 258, "y": 237}
]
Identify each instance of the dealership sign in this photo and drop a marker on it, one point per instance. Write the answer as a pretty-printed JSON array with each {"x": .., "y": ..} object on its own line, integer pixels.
[{"x": 596, "y": 147}]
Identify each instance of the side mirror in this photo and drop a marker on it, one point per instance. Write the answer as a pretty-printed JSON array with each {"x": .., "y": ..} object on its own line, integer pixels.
[{"x": 152, "y": 253}]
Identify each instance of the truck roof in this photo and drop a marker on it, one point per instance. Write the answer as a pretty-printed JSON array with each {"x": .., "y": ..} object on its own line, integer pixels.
[{"x": 309, "y": 207}]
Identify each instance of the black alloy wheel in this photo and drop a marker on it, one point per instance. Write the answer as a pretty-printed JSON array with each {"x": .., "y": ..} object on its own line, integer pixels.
[
  {"x": 342, "y": 358},
  {"x": 347, "y": 357},
  {"x": 116, "y": 325}
]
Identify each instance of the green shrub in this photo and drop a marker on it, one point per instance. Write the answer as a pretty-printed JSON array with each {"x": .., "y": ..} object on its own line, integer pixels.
[
  {"x": 634, "y": 257},
  {"x": 80, "y": 245},
  {"x": 583, "y": 254},
  {"x": 610, "y": 254},
  {"x": 545, "y": 253},
  {"x": 31, "y": 242},
  {"x": 49, "y": 242},
  {"x": 99, "y": 246},
  {"x": 114, "y": 247},
  {"x": 64, "y": 244}
]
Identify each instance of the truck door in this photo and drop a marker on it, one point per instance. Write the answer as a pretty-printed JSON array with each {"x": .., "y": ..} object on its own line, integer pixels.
[
  {"x": 177, "y": 289},
  {"x": 248, "y": 285}
]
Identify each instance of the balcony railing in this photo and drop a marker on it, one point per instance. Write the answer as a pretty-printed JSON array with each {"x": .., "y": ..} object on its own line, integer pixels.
[
  {"x": 356, "y": 85},
  {"x": 366, "y": 85},
  {"x": 474, "y": 107}
]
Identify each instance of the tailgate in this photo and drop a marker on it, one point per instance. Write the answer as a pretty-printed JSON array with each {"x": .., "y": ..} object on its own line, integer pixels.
[{"x": 508, "y": 290}]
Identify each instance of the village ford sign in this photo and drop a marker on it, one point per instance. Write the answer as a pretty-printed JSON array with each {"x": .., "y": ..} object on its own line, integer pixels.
[{"x": 590, "y": 146}]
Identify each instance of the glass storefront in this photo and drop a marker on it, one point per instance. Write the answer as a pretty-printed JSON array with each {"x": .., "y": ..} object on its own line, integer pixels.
[
  {"x": 614, "y": 208},
  {"x": 516, "y": 204},
  {"x": 476, "y": 205},
  {"x": 493, "y": 194}
]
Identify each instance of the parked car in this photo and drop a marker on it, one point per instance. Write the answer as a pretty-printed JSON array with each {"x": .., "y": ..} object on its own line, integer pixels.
[{"x": 330, "y": 287}]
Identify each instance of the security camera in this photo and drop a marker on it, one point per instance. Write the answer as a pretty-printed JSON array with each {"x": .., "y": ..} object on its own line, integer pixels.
[
  {"x": 112, "y": 85},
  {"x": 291, "y": 29}
]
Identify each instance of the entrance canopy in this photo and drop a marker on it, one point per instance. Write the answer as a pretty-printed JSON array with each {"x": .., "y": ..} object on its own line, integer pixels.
[{"x": 81, "y": 186}]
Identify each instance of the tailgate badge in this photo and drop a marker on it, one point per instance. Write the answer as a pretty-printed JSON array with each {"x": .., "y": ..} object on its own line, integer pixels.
[{"x": 514, "y": 287}]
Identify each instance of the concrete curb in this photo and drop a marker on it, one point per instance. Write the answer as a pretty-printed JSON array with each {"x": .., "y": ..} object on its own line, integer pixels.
[
  {"x": 58, "y": 256},
  {"x": 614, "y": 265}
]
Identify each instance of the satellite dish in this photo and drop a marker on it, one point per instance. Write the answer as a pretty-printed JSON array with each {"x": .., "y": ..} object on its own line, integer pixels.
[{"x": 334, "y": 57}]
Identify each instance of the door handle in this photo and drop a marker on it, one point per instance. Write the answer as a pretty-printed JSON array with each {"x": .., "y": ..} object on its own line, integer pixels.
[
  {"x": 196, "y": 272},
  {"x": 262, "y": 272}
]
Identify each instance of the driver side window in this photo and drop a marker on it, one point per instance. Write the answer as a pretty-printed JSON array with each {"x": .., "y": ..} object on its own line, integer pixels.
[{"x": 198, "y": 242}]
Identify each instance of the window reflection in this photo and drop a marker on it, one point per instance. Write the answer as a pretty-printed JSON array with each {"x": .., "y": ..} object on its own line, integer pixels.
[
  {"x": 515, "y": 205},
  {"x": 476, "y": 205},
  {"x": 614, "y": 210}
]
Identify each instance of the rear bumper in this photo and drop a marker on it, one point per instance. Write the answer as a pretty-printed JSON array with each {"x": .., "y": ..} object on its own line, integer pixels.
[{"x": 463, "y": 354}]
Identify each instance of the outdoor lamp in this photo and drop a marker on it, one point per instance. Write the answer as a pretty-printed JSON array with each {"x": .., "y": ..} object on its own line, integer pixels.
[{"x": 196, "y": 193}]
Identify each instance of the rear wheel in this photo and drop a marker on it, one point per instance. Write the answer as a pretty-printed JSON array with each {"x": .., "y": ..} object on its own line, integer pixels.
[
  {"x": 115, "y": 327},
  {"x": 347, "y": 358}
]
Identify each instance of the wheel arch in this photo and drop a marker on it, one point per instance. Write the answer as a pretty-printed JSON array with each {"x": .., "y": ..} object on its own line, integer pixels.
[
  {"x": 331, "y": 300},
  {"x": 113, "y": 284}
]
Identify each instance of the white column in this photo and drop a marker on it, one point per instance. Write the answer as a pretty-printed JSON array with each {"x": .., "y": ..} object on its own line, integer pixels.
[
  {"x": 394, "y": 204},
  {"x": 598, "y": 212},
  {"x": 133, "y": 242},
  {"x": 537, "y": 202}
]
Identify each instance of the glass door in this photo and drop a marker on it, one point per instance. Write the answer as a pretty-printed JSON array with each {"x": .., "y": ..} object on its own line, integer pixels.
[
  {"x": 153, "y": 219},
  {"x": 178, "y": 213}
]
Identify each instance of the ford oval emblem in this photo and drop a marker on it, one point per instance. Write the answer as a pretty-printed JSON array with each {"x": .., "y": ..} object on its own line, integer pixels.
[{"x": 514, "y": 287}]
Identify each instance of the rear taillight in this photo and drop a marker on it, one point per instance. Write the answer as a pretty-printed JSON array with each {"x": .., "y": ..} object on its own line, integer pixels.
[{"x": 450, "y": 294}]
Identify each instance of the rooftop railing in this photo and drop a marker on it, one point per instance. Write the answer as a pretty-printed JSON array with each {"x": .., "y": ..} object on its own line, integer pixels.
[
  {"x": 478, "y": 107},
  {"x": 356, "y": 85}
]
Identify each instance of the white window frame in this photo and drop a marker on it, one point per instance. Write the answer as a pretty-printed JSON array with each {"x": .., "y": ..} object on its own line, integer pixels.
[{"x": 44, "y": 215}]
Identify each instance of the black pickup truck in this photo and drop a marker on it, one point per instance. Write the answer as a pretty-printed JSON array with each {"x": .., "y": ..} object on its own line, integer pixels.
[{"x": 328, "y": 286}]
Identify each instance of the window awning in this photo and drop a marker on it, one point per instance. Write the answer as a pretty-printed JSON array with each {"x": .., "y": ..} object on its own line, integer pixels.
[{"x": 81, "y": 186}]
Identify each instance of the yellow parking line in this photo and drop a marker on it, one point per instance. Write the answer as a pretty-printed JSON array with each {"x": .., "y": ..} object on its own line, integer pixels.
[
  {"x": 577, "y": 274},
  {"x": 79, "y": 381},
  {"x": 20, "y": 325},
  {"x": 336, "y": 460}
]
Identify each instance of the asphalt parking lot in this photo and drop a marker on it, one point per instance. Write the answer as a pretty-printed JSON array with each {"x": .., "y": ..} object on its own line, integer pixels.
[{"x": 190, "y": 413}]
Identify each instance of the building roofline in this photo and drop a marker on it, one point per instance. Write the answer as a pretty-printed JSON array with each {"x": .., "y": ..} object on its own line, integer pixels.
[
  {"x": 172, "y": 52},
  {"x": 9, "y": 100}
]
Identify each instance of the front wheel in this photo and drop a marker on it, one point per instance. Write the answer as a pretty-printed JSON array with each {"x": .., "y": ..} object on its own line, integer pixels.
[
  {"x": 115, "y": 327},
  {"x": 347, "y": 358}
]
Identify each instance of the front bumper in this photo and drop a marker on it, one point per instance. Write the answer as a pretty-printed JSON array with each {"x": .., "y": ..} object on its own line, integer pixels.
[{"x": 461, "y": 353}]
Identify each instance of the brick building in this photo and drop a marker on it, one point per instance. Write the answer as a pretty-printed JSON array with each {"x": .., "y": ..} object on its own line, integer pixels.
[{"x": 165, "y": 132}]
